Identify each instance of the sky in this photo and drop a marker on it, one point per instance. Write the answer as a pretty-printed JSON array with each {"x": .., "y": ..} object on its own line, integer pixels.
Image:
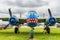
[{"x": 24, "y": 6}]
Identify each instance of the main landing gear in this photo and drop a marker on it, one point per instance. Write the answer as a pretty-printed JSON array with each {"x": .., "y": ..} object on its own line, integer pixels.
[
  {"x": 16, "y": 30},
  {"x": 47, "y": 29}
]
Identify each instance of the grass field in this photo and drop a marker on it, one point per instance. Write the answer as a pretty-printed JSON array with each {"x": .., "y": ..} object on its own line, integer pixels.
[{"x": 8, "y": 34}]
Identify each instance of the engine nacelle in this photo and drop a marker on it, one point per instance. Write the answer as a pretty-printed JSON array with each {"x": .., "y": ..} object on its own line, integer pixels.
[
  {"x": 13, "y": 20},
  {"x": 51, "y": 21}
]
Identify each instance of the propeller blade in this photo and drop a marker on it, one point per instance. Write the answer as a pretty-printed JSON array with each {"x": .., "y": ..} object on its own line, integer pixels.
[
  {"x": 50, "y": 13},
  {"x": 10, "y": 12},
  {"x": 6, "y": 26}
]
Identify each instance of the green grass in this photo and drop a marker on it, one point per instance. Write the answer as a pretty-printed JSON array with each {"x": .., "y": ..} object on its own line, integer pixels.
[{"x": 8, "y": 34}]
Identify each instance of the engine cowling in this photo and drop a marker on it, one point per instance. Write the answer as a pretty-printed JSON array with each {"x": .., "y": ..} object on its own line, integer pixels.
[
  {"x": 13, "y": 20},
  {"x": 51, "y": 21}
]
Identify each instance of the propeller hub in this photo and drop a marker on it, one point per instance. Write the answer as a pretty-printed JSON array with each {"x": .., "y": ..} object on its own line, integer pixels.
[
  {"x": 51, "y": 21},
  {"x": 12, "y": 20}
]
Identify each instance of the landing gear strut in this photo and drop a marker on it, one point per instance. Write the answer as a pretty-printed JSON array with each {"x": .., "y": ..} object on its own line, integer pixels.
[
  {"x": 32, "y": 33},
  {"x": 47, "y": 29}
]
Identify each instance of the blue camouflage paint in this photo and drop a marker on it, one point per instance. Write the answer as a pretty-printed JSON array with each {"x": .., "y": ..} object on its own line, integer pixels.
[{"x": 32, "y": 15}]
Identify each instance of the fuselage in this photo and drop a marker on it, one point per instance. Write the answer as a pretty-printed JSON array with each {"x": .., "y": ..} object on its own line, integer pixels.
[{"x": 32, "y": 19}]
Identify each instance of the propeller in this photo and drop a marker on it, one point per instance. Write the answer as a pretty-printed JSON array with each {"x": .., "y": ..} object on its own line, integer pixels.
[
  {"x": 51, "y": 20},
  {"x": 10, "y": 13}
]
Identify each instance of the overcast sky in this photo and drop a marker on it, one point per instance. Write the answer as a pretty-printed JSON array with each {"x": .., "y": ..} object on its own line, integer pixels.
[{"x": 23, "y": 6}]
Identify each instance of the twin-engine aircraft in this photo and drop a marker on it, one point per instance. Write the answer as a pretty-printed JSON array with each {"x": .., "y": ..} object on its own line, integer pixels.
[{"x": 32, "y": 19}]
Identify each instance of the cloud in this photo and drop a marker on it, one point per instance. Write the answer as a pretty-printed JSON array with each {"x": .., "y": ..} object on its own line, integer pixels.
[
  {"x": 26, "y": 3},
  {"x": 23, "y": 6}
]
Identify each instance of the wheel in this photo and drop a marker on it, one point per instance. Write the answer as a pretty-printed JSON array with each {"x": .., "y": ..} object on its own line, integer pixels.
[
  {"x": 16, "y": 30},
  {"x": 47, "y": 30}
]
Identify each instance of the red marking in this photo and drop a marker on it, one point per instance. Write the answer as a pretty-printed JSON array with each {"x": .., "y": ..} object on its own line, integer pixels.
[{"x": 32, "y": 20}]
